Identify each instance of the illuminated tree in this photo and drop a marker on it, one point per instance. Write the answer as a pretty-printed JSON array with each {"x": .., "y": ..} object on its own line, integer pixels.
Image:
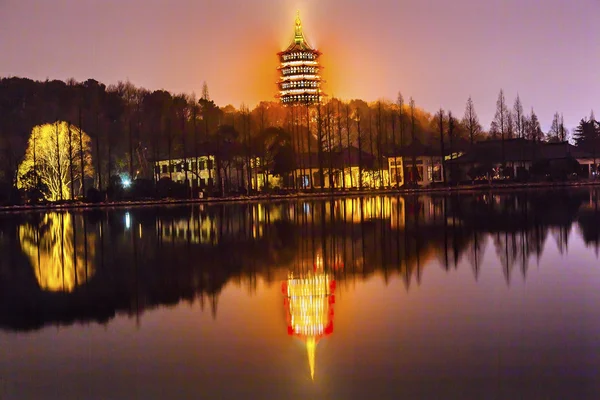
[{"x": 51, "y": 155}]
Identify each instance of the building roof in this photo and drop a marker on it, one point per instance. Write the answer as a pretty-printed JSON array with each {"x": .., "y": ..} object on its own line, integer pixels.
[{"x": 518, "y": 150}]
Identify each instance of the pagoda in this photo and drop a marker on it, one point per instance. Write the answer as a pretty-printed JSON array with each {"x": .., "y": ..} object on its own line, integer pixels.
[
  {"x": 300, "y": 82},
  {"x": 309, "y": 300}
]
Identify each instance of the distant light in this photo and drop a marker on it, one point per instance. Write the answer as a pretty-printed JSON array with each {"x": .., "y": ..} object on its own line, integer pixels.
[
  {"x": 127, "y": 220},
  {"x": 126, "y": 182}
]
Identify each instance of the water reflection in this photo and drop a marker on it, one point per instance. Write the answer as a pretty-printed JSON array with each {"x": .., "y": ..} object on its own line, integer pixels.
[
  {"x": 59, "y": 250},
  {"x": 309, "y": 300},
  {"x": 58, "y": 268}
]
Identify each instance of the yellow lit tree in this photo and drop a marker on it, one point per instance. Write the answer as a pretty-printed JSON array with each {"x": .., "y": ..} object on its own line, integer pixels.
[{"x": 54, "y": 157}]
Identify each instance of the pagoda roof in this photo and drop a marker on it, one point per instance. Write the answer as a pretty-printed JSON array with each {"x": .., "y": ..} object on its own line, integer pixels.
[
  {"x": 302, "y": 46},
  {"x": 299, "y": 43}
]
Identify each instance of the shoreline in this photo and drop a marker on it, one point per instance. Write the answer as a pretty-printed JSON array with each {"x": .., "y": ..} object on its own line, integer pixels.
[{"x": 295, "y": 196}]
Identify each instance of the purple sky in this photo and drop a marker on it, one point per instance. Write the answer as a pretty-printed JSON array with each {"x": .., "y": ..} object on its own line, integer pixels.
[{"x": 437, "y": 51}]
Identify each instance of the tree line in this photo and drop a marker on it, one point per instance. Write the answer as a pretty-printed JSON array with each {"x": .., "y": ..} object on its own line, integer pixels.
[{"x": 130, "y": 127}]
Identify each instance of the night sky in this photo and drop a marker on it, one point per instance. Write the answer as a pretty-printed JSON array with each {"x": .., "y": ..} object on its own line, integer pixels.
[{"x": 437, "y": 51}]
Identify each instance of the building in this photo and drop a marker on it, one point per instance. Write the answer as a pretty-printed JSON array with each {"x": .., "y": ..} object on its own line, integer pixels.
[
  {"x": 300, "y": 82},
  {"x": 346, "y": 168},
  {"x": 198, "y": 172},
  {"x": 485, "y": 159},
  {"x": 415, "y": 164}
]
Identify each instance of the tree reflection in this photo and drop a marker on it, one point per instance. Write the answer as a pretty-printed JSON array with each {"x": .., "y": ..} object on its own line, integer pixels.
[
  {"x": 59, "y": 260},
  {"x": 153, "y": 256}
]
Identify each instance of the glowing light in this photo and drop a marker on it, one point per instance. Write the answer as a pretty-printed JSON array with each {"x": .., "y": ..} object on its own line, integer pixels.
[
  {"x": 126, "y": 182},
  {"x": 309, "y": 305},
  {"x": 127, "y": 221},
  {"x": 299, "y": 81},
  {"x": 56, "y": 147}
]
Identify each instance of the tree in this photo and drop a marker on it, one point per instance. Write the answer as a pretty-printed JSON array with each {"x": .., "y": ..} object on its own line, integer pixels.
[
  {"x": 518, "y": 117},
  {"x": 471, "y": 121},
  {"x": 400, "y": 104},
  {"x": 451, "y": 137},
  {"x": 52, "y": 159},
  {"x": 533, "y": 128},
  {"x": 554, "y": 134},
  {"x": 413, "y": 133},
  {"x": 587, "y": 136},
  {"x": 440, "y": 120},
  {"x": 223, "y": 144},
  {"x": 281, "y": 158},
  {"x": 205, "y": 95},
  {"x": 501, "y": 119},
  {"x": 563, "y": 132}
]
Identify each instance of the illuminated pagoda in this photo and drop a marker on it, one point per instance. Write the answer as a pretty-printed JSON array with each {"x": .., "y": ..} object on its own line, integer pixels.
[
  {"x": 300, "y": 82},
  {"x": 309, "y": 303}
]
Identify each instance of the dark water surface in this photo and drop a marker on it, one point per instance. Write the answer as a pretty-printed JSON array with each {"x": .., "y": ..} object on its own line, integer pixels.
[{"x": 465, "y": 296}]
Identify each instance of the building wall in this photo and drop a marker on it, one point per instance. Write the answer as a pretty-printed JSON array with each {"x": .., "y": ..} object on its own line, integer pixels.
[
  {"x": 342, "y": 178},
  {"x": 200, "y": 175},
  {"x": 204, "y": 174},
  {"x": 429, "y": 170}
]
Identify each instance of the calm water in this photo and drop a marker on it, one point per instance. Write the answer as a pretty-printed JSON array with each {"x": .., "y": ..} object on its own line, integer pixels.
[{"x": 470, "y": 296}]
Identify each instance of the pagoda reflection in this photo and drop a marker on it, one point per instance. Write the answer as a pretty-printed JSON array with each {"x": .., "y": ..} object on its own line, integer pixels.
[{"x": 309, "y": 300}]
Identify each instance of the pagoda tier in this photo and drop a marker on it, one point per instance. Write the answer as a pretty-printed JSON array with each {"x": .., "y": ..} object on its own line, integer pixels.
[{"x": 300, "y": 80}]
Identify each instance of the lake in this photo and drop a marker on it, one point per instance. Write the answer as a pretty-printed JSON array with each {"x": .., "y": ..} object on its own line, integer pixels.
[{"x": 471, "y": 295}]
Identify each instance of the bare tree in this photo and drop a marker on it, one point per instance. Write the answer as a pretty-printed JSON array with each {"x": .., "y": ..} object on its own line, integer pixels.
[
  {"x": 440, "y": 120},
  {"x": 451, "y": 134},
  {"x": 413, "y": 134},
  {"x": 205, "y": 95},
  {"x": 534, "y": 131},
  {"x": 518, "y": 117},
  {"x": 501, "y": 119},
  {"x": 554, "y": 132},
  {"x": 563, "y": 132},
  {"x": 400, "y": 103},
  {"x": 471, "y": 121}
]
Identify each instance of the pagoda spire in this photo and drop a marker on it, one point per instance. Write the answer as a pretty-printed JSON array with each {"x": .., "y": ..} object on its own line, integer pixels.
[{"x": 299, "y": 36}]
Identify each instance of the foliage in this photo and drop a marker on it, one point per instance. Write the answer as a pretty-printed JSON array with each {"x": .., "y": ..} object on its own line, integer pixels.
[
  {"x": 53, "y": 156},
  {"x": 587, "y": 135}
]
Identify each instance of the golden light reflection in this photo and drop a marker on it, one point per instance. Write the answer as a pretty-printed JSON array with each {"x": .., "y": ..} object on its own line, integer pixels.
[
  {"x": 309, "y": 303},
  {"x": 60, "y": 254},
  {"x": 366, "y": 208}
]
